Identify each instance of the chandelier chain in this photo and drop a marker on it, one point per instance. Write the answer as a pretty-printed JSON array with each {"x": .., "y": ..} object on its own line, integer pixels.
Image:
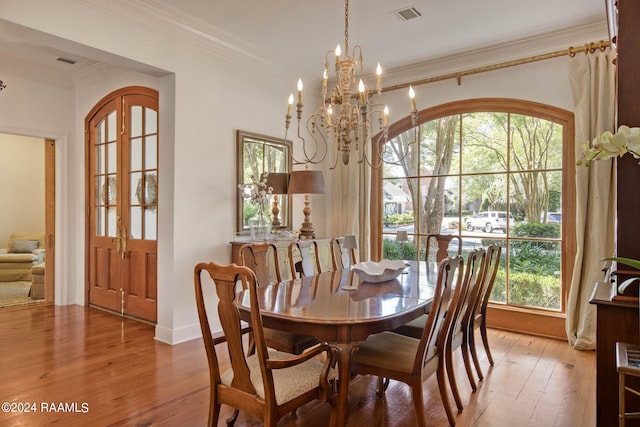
[
  {"x": 344, "y": 123},
  {"x": 346, "y": 27}
]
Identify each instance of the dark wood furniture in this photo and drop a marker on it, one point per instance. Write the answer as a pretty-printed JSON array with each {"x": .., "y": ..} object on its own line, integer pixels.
[
  {"x": 308, "y": 253},
  {"x": 339, "y": 254},
  {"x": 628, "y": 366},
  {"x": 617, "y": 321},
  {"x": 441, "y": 243},
  {"x": 324, "y": 248},
  {"x": 266, "y": 384},
  {"x": 479, "y": 320},
  {"x": 628, "y": 170},
  {"x": 394, "y": 356},
  {"x": 317, "y": 305},
  {"x": 259, "y": 255}
]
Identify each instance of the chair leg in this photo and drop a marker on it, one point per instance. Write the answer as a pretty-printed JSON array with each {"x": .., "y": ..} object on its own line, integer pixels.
[
  {"x": 214, "y": 413},
  {"x": 485, "y": 340},
  {"x": 443, "y": 394},
  {"x": 474, "y": 352},
  {"x": 467, "y": 363},
  {"x": 232, "y": 419},
  {"x": 418, "y": 404},
  {"x": 383, "y": 383},
  {"x": 452, "y": 379}
]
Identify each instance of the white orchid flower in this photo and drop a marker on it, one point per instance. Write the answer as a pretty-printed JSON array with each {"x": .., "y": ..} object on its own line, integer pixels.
[{"x": 607, "y": 145}]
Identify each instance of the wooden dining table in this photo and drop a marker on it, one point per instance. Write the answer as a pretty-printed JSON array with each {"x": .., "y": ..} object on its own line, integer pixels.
[{"x": 319, "y": 306}]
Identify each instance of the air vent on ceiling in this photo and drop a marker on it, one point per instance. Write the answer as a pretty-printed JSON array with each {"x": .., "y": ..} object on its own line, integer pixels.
[
  {"x": 66, "y": 60},
  {"x": 408, "y": 13}
]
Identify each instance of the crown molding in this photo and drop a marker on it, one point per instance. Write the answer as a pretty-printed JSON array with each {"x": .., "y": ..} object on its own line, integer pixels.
[
  {"x": 172, "y": 24},
  {"x": 547, "y": 42}
]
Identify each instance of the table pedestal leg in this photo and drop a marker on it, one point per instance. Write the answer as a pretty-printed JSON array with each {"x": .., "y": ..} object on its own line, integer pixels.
[{"x": 345, "y": 353}]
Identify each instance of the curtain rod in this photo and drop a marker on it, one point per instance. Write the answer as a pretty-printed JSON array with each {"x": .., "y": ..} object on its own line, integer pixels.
[{"x": 587, "y": 48}]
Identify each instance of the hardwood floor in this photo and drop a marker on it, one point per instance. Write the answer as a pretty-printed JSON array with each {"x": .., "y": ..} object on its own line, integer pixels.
[{"x": 116, "y": 374}]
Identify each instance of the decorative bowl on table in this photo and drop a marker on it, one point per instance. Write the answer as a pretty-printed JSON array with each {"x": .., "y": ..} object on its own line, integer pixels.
[{"x": 377, "y": 272}]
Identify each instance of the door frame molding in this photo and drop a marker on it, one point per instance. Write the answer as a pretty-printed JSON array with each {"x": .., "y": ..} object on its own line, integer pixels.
[
  {"x": 50, "y": 218},
  {"x": 119, "y": 93}
]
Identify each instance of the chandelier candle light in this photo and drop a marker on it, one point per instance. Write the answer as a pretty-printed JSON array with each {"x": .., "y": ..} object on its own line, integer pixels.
[{"x": 345, "y": 118}]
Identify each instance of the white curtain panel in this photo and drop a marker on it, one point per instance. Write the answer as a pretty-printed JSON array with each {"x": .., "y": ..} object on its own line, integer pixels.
[
  {"x": 593, "y": 86},
  {"x": 351, "y": 197}
]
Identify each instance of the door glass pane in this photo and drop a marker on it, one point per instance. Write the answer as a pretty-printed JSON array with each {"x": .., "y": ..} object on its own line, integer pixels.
[
  {"x": 99, "y": 221},
  {"x": 150, "y": 188},
  {"x": 151, "y": 121},
  {"x": 137, "y": 192},
  {"x": 112, "y": 157},
  {"x": 150, "y": 223},
  {"x": 151, "y": 152},
  {"x": 101, "y": 135},
  {"x": 111, "y": 121},
  {"x": 100, "y": 159},
  {"x": 136, "y": 154},
  {"x": 135, "y": 222},
  {"x": 136, "y": 121},
  {"x": 99, "y": 190},
  {"x": 112, "y": 222},
  {"x": 110, "y": 191}
]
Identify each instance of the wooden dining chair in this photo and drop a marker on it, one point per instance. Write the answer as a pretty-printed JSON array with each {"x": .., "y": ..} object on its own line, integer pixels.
[
  {"x": 341, "y": 257},
  {"x": 440, "y": 244},
  {"x": 258, "y": 255},
  {"x": 479, "y": 313},
  {"x": 394, "y": 356},
  {"x": 309, "y": 263},
  {"x": 473, "y": 276},
  {"x": 268, "y": 384}
]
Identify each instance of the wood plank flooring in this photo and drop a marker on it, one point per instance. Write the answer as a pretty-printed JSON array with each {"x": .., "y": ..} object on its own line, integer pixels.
[{"x": 111, "y": 372}]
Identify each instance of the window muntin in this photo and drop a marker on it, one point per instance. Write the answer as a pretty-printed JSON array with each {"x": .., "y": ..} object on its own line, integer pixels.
[{"x": 504, "y": 162}]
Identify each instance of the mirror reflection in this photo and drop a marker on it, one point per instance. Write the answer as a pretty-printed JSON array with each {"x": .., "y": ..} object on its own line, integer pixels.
[{"x": 257, "y": 154}]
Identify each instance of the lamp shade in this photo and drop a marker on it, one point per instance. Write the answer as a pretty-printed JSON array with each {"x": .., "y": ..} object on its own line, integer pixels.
[
  {"x": 278, "y": 181},
  {"x": 350, "y": 242},
  {"x": 401, "y": 236},
  {"x": 306, "y": 182}
]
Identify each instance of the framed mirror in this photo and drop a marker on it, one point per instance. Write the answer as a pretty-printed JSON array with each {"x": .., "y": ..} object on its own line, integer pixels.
[{"x": 255, "y": 155}]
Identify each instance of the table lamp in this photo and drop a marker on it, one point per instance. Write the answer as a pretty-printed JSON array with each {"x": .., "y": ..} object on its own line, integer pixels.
[
  {"x": 350, "y": 243},
  {"x": 306, "y": 182},
  {"x": 279, "y": 182}
]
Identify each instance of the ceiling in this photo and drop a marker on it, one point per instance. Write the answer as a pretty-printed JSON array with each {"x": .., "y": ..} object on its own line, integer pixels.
[{"x": 297, "y": 34}]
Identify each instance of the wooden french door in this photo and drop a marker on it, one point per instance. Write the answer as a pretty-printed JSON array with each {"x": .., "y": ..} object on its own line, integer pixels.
[{"x": 122, "y": 204}]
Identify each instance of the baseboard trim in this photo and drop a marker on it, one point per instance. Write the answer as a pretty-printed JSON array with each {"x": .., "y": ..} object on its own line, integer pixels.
[{"x": 177, "y": 336}]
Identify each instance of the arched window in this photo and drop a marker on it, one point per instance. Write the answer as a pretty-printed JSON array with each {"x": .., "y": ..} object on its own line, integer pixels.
[{"x": 490, "y": 171}]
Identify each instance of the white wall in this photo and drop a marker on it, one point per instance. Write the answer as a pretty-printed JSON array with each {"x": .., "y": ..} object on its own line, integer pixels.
[
  {"x": 205, "y": 95},
  {"x": 21, "y": 185}
]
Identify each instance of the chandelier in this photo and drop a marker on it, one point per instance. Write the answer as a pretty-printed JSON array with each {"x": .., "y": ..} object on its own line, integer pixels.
[{"x": 344, "y": 123}]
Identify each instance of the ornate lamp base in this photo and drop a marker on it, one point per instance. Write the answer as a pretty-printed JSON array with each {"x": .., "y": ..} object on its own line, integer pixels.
[{"x": 307, "y": 230}]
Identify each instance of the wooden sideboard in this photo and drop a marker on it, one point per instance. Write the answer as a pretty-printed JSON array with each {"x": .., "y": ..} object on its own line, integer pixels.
[
  {"x": 324, "y": 247},
  {"x": 617, "y": 322}
]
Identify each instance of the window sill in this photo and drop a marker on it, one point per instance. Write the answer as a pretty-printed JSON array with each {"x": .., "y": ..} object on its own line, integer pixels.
[{"x": 516, "y": 319}]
